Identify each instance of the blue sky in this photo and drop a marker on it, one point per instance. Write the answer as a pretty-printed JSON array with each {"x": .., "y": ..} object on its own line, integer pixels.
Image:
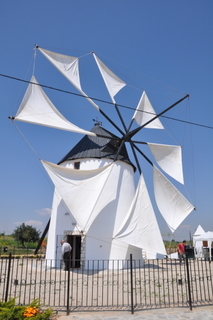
[{"x": 163, "y": 47}]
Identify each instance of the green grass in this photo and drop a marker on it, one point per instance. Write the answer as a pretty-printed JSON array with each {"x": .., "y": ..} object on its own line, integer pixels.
[{"x": 14, "y": 247}]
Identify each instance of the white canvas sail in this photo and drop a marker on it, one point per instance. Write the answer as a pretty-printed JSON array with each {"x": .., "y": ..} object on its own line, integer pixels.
[
  {"x": 140, "y": 227},
  {"x": 68, "y": 66},
  {"x": 113, "y": 83},
  {"x": 145, "y": 112},
  {"x": 84, "y": 192},
  {"x": 169, "y": 158},
  {"x": 37, "y": 108},
  {"x": 173, "y": 206}
]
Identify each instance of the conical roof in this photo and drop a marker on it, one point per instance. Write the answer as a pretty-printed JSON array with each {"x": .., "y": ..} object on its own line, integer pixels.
[{"x": 98, "y": 147}]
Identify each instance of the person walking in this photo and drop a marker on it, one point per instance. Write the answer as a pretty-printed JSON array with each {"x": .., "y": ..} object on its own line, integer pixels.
[
  {"x": 66, "y": 254},
  {"x": 181, "y": 250}
]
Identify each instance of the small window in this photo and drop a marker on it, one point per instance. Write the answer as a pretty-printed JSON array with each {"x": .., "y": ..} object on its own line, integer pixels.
[{"x": 77, "y": 165}]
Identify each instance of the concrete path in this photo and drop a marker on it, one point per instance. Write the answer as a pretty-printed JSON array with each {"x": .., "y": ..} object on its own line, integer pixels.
[{"x": 198, "y": 313}]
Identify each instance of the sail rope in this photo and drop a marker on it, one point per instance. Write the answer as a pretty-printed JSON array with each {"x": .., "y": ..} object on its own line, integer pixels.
[
  {"x": 140, "y": 74},
  {"x": 183, "y": 141},
  {"x": 25, "y": 139},
  {"x": 20, "y": 94},
  {"x": 34, "y": 60},
  {"x": 37, "y": 160},
  {"x": 192, "y": 163}
]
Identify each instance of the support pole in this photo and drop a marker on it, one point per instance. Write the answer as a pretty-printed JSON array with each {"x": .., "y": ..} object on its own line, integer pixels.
[
  {"x": 8, "y": 278},
  {"x": 42, "y": 237},
  {"x": 131, "y": 284},
  {"x": 188, "y": 282},
  {"x": 68, "y": 286}
]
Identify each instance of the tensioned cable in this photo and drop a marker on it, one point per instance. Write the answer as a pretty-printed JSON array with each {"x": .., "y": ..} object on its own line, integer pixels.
[
  {"x": 104, "y": 101},
  {"x": 27, "y": 142},
  {"x": 34, "y": 61}
]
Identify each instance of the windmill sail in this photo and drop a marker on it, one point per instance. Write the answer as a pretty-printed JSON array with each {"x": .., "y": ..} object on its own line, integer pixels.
[
  {"x": 37, "y": 108},
  {"x": 140, "y": 225},
  {"x": 169, "y": 158},
  {"x": 173, "y": 206},
  {"x": 83, "y": 191},
  {"x": 113, "y": 83},
  {"x": 68, "y": 66},
  {"x": 145, "y": 112}
]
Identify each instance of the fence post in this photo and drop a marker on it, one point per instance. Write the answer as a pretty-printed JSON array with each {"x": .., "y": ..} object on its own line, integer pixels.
[
  {"x": 8, "y": 277},
  {"x": 188, "y": 281},
  {"x": 68, "y": 286},
  {"x": 131, "y": 284}
]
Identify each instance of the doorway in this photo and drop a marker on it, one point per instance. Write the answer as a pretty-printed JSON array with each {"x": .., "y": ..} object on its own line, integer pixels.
[{"x": 75, "y": 242}]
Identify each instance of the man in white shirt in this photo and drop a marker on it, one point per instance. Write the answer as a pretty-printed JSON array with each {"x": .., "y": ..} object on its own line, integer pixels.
[{"x": 66, "y": 253}]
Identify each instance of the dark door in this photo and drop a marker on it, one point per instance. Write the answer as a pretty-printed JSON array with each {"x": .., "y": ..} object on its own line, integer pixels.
[{"x": 75, "y": 242}]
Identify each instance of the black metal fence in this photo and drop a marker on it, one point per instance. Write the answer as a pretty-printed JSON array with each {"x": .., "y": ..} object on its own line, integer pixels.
[{"x": 103, "y": 284}]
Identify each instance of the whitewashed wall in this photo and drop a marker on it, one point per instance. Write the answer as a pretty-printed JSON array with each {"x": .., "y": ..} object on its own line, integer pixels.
[{"x": 99, "y": 243}]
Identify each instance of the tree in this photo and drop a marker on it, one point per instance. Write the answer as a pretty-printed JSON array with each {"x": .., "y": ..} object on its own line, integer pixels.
[{"x": 25, "y": 234}]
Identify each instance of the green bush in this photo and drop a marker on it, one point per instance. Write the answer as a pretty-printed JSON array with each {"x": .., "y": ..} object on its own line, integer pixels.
[{"x": 9, "y": 311}]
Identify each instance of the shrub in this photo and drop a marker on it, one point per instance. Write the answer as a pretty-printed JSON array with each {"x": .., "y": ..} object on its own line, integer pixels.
[{"x": 9, "y": 311}]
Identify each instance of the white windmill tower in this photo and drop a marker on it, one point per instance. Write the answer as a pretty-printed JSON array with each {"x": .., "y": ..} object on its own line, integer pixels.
[{"x": 96, "y": 204}]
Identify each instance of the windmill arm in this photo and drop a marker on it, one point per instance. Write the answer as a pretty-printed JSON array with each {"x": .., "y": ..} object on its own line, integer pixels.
[
  {"x": 141, "y": 142},
  {"x": 131, "y": 144},
  {"x": 150, "y": 162},
  {"x": 126, "y": 137},
  {"x": 120, "y": 116},
  {"x": 133, "y": 132},
  {"x": 101, "y": 111},
  {"x": 42, "y": 237},
  {"x": 114, "y": 125},
  {"x": 136, "y": 158}
]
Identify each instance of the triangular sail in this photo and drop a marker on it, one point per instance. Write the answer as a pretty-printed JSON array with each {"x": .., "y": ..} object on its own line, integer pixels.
[
  {"x": 169, "y": 158},
  {"x": 113, "y": 83},
  {"x": 140, "y": 227},
  {"x": 145, "y": 112},
  {"x": 83, "y": 191},
  {"x": 68, "y": 66},
  {"x": 37, "y": 108},
  {"x": 173, "y": 206}
]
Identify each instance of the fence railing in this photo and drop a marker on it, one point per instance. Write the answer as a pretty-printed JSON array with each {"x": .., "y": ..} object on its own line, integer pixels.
[{"x": 107, "y": 284}]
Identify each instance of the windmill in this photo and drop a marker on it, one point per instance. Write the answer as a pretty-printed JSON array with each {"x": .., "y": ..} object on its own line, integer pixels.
[{"x": 96, "y": 204}]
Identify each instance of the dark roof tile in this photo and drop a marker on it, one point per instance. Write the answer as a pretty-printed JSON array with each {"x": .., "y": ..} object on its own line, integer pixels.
[{"x": 98, "y": 147}]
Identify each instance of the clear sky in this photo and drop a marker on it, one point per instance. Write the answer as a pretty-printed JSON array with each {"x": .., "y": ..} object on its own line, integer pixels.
[{"x": 163, "y": 47}]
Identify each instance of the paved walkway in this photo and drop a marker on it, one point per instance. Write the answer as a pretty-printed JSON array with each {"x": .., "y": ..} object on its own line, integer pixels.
[{"x": 198, "y": 313}]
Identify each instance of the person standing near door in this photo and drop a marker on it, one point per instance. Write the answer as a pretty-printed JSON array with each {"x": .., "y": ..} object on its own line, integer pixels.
[{"x": 66, "y": 253}]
